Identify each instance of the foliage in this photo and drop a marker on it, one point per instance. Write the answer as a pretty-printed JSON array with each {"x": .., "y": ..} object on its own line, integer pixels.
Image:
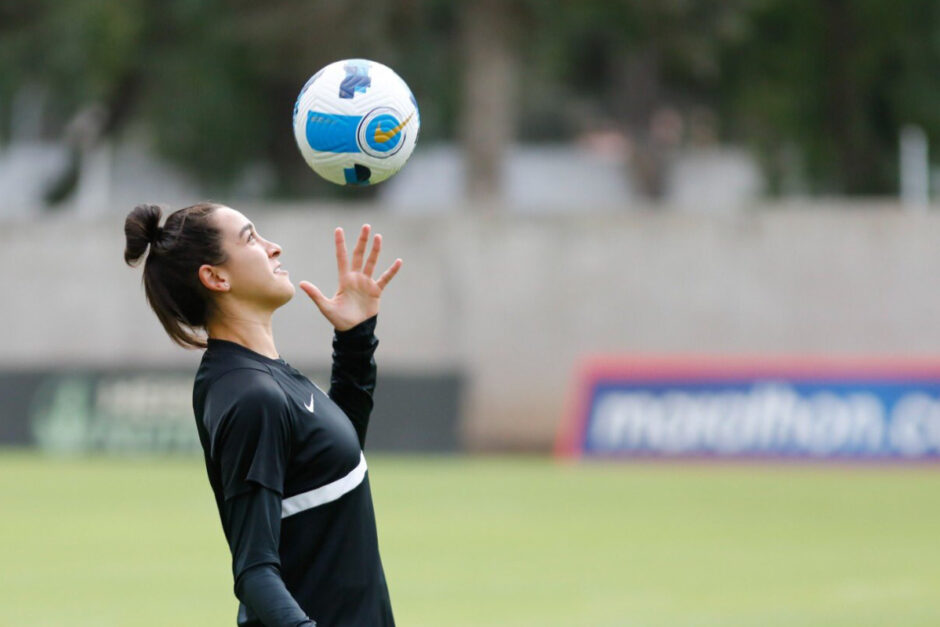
[{"x": 819, "y": 89}]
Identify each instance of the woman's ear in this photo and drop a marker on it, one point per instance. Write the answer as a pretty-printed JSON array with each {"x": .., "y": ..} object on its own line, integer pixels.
[{"x": 214, "y": 279}]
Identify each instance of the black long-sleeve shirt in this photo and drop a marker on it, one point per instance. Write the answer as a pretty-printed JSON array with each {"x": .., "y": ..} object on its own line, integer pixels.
[{"x": 286, "y": 465}]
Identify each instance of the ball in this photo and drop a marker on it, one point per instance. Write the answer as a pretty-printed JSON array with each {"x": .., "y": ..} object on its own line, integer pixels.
[{"x": 356, "y": 122}]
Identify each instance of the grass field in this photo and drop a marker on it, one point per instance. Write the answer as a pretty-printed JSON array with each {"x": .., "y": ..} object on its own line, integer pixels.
[{"x": 498, "y": 542}]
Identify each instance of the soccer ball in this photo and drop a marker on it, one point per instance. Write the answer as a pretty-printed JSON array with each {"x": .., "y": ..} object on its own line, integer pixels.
[{"x": 356, "y": 122}]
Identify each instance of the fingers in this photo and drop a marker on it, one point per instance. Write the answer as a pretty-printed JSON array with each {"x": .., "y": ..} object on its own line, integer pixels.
[
  {"x": 315, "y": 295},
  {"x": 342, "y": 261},
  {"x": 360, "y": 248},
  {"x": 389, "y": 274},
  {"x": 369, "y": 268},
  {"x": 344, "y": 265}
]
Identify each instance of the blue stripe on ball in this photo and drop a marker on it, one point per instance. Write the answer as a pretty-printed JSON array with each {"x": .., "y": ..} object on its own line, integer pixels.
[{"x": 328, "y": 132}]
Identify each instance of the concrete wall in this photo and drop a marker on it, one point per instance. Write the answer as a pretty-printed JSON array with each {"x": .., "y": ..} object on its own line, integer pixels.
[{"x": 514, "y": 301}]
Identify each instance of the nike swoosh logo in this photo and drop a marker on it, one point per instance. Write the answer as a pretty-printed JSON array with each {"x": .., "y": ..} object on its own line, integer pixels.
[
  {"x": 310, "y": 406},
  {"x": 382, "y": 137}
]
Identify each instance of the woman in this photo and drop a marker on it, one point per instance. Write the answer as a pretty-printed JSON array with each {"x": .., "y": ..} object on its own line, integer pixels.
[{"x": 284, "y": 459}]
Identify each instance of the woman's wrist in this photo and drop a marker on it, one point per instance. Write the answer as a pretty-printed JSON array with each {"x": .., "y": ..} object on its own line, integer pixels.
[{"x": 364, "y": 328}]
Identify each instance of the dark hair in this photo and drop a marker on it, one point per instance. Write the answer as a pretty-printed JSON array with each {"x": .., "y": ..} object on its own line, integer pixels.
[{"x": 171, "y": 273}]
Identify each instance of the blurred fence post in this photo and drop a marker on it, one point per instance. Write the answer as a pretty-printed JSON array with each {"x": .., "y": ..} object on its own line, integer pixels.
[
  {"x": 915, "y": 168},
  {"x": 489, "y": 84}
]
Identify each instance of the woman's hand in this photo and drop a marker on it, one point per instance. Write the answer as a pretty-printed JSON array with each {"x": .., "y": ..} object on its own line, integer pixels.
[{"x": 358, "y": 294}]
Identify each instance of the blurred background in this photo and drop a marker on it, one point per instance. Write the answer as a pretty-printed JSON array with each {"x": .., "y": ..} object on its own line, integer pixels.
[{"x": 685, "y": 187}]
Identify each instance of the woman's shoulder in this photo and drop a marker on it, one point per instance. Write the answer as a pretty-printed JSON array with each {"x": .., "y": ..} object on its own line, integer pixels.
[
  {"x": 231, "y": 380},
  {"x": 247, "y": 382},
  {"x": 246, "y": 396}
]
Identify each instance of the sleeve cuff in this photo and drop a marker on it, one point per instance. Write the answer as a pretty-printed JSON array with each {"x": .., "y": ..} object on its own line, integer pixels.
[{"x": 362, "y": 331}]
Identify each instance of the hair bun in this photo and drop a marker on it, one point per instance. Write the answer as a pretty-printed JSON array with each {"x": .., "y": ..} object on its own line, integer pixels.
[{"x": 141, "y": 228}]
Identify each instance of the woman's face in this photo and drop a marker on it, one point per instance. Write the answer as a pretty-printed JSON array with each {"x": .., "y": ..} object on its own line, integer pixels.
[{"x": 252, "y": 270}]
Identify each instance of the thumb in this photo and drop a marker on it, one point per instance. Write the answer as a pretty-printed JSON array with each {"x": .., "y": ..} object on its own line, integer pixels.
[{"x": 315, "y": 295}]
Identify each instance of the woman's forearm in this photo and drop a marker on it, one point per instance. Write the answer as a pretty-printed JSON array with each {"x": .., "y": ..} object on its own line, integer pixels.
[
  {"x": 352, "y": 381},
  {"x": 254, "y": 520},
  {"x": 262, "y": 590}
]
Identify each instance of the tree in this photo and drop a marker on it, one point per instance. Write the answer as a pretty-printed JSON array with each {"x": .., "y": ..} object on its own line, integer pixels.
[{"x": 212, "y": 83}]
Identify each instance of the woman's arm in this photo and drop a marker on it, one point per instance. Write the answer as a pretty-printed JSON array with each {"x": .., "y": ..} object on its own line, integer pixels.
[
  {"x": 254, "y": 521},
  {"x": 352, "y": 311},
  {"x": 353, "y": 378},
  {"x": 249, "y": 426}
]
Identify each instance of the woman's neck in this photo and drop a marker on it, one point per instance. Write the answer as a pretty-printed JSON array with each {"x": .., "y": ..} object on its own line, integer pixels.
[{"x": 252, "y": 333}]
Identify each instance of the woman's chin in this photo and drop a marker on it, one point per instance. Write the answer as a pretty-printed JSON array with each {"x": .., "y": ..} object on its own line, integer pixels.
[
  {"x": 289, "y": 291},
  {"x": 284, "y": 294}
]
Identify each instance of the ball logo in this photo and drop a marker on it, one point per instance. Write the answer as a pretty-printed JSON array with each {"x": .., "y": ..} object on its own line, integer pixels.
[
  {"x": 381, "y": 132},
  {"x": 357, "y": 79}
]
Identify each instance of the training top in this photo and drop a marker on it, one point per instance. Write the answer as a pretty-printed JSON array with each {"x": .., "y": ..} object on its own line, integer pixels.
[{"x": 285, "y": 463}]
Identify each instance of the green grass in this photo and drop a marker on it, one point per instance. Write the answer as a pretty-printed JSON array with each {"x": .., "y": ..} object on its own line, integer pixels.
[{"x": 497, "y": 542}]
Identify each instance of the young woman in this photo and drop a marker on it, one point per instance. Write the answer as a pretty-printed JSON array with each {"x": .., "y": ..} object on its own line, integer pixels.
[{"x": 284, "y": 458}]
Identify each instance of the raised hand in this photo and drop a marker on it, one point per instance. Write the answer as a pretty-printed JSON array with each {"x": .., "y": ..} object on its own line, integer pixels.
[{"x": 358, "y": 294}]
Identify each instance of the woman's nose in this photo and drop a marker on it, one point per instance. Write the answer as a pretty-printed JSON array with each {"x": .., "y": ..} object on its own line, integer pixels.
[{"x": 273, "y": 249}]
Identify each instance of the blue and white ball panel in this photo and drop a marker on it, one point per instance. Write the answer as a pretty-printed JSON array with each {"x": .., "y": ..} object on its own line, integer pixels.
[
  {"x": 328, "y": 132},
  {"x": 356, "y": 122}
]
